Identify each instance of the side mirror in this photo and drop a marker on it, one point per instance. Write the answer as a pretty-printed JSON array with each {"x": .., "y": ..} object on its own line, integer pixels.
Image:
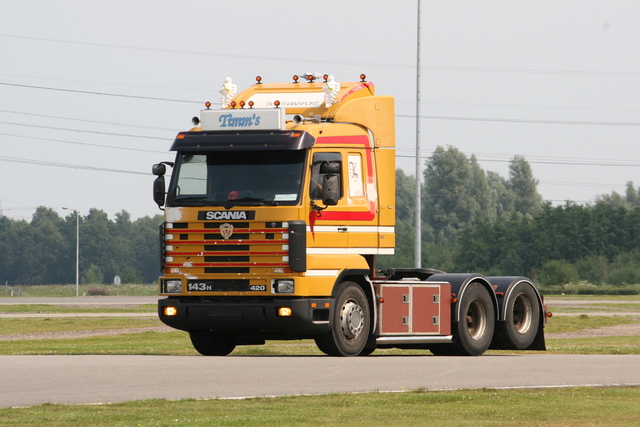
[
  {"x": 159, "y": 169},
  {"x": 159, "y": 192},
  {"x": 330, "y": 190},
  {"x": 330, "y": 167}
]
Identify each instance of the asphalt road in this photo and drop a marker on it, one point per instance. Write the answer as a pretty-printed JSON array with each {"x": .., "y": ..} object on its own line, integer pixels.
[{"x": 32, "y": 380}]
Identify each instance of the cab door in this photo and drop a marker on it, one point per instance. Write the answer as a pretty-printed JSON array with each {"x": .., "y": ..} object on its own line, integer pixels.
[{"x": 328, "y": 226}]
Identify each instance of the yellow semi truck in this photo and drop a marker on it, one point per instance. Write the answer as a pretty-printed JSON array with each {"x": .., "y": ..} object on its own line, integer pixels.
[{"x": 277, "y": 207}]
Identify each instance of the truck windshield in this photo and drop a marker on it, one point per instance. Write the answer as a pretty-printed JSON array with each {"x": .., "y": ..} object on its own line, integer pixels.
[{"x": 230, "y": 178}]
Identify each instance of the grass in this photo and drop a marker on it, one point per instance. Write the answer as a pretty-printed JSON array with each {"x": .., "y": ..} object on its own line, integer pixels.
[
  {"x": 597, "y": 345},
  {"x": 70, "y": 290},
  {"x": 584, "y": 321},
  {"x": 46, "y": 308},
  {"x": 582, "y": 406},
  {"x": 30, "y": 325},
  {"x": 178, "y": 343}
]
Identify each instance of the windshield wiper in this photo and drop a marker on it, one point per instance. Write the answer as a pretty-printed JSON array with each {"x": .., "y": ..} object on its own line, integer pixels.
[
  {"x": 195, "y": 201},
  {"x": 251, "y": 201}
]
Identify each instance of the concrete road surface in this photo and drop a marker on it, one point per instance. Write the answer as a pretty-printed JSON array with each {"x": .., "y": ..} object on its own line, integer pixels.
[{"x": 32, "y": 380}]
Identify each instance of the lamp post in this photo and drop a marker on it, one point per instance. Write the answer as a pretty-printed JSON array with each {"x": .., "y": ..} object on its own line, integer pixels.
[{"x": 77, "y": 249}]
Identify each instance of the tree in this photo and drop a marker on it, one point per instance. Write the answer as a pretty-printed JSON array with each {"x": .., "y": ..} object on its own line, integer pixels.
[
  {"x": 524, "y": 187},
  {"x": 632, "y": 195},
  {"x": 501, "y": 193},
  {"x": 457, "y": 193}
]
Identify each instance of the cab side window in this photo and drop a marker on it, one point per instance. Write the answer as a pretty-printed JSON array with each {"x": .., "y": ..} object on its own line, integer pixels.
[{"x": 325, "y": 166}]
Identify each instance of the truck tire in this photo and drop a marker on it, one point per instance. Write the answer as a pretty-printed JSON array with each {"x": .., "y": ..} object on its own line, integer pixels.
[
  {"x": 351, "y": 323},
  {"x": 474, "y": 330},
  {"x": 210, "y": 343},
  {"x": 522, "y": 318}
]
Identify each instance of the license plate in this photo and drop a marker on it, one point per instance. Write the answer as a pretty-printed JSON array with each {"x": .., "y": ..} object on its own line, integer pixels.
[{"x": 224, "y": 286}]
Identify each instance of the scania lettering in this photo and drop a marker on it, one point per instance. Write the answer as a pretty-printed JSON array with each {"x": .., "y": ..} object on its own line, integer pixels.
[
  {"x": 225, "y": 215},
  {"x": 271, "y": 232}
]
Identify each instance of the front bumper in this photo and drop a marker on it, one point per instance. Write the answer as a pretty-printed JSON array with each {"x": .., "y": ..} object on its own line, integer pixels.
[{"x": 245, "y": 314}]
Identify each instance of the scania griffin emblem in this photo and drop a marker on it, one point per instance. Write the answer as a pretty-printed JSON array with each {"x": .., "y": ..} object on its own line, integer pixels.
[{"x": 226, "y": 230}]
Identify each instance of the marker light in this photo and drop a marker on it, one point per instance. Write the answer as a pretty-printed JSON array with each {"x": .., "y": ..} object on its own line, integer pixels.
[
  {"x": 363, "y": 77},
  {"x": 207, "y": 104},
  {"x": 325, "y": 77},
  {"x": 233, "y": 104},
  {"x": 170, "y": 311},
  {"x": 310, "y": 78},
  {"x": 276, "y": 103},
  {"x": 250, "y": 104},
  {"x": 241, "y": 104},
  {"x": 284, "y": 311},
  {"x": 259, "y": 79},
  {"x": 295, "y": 79}
]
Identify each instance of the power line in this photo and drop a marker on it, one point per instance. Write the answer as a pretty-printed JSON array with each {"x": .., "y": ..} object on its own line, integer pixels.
[
  {"x": 84, "y": 131},
  {"x": 546, "y": 162},
  {"x": 23, "y": 76},
  {"x": 84, "y": 120},
  {"x": 325, "y": 61},
  {"x": 87, "y": 92},
  {"x": 505, "y": 120},
  {"x": 82, "y": 143},
  {"x": 66, "y": 165}
]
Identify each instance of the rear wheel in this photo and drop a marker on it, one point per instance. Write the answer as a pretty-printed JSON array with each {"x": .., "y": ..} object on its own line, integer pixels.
[
  {"x": 474, "y": 330},
  {"x": 351, "y": 323},
  {"x": 210, "y": 343},
  {"x": 522, "y": 317}
]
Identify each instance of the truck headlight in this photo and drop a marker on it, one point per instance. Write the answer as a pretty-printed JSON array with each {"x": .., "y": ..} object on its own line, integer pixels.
[
  {"x": 173, "y": 286},
  {"x": 283, "y": 286}
]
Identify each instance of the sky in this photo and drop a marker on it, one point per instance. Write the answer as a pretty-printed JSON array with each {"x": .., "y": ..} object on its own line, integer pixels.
[{"x": 92, "y": 93}]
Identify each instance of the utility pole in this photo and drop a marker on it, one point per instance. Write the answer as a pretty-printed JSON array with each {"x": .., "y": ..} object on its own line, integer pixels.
[
  {"x": 418, "y": 223},
  {"x": 77, "y": 249}
]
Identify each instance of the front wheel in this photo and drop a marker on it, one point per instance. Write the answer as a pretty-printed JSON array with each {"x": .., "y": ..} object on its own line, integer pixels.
[
  {"x": 210, "y": 343},
  {"x": 474, "y": 330},
  {"x": 351, "y": 323}
]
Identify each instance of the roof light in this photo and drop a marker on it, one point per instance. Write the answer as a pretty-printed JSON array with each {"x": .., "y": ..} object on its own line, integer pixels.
[
  {"x": 207, "y": 104},
  {"x": 295, "y": 78},
  {"x": 259, "y": 79},
  {"x": 232, "y": 104},
  {"x": 276, "y": 103},
  {"x": 363, "y": 77},
  {"x": 241, "y": 104},
  {"x": 250, "y": 104},
  {"x": 310, "y": 78},
  {"x": 325, "y": 77}
]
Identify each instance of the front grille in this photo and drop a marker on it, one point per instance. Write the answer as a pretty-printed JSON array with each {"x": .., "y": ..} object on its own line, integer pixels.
[{"x": 226, "y": 247}]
